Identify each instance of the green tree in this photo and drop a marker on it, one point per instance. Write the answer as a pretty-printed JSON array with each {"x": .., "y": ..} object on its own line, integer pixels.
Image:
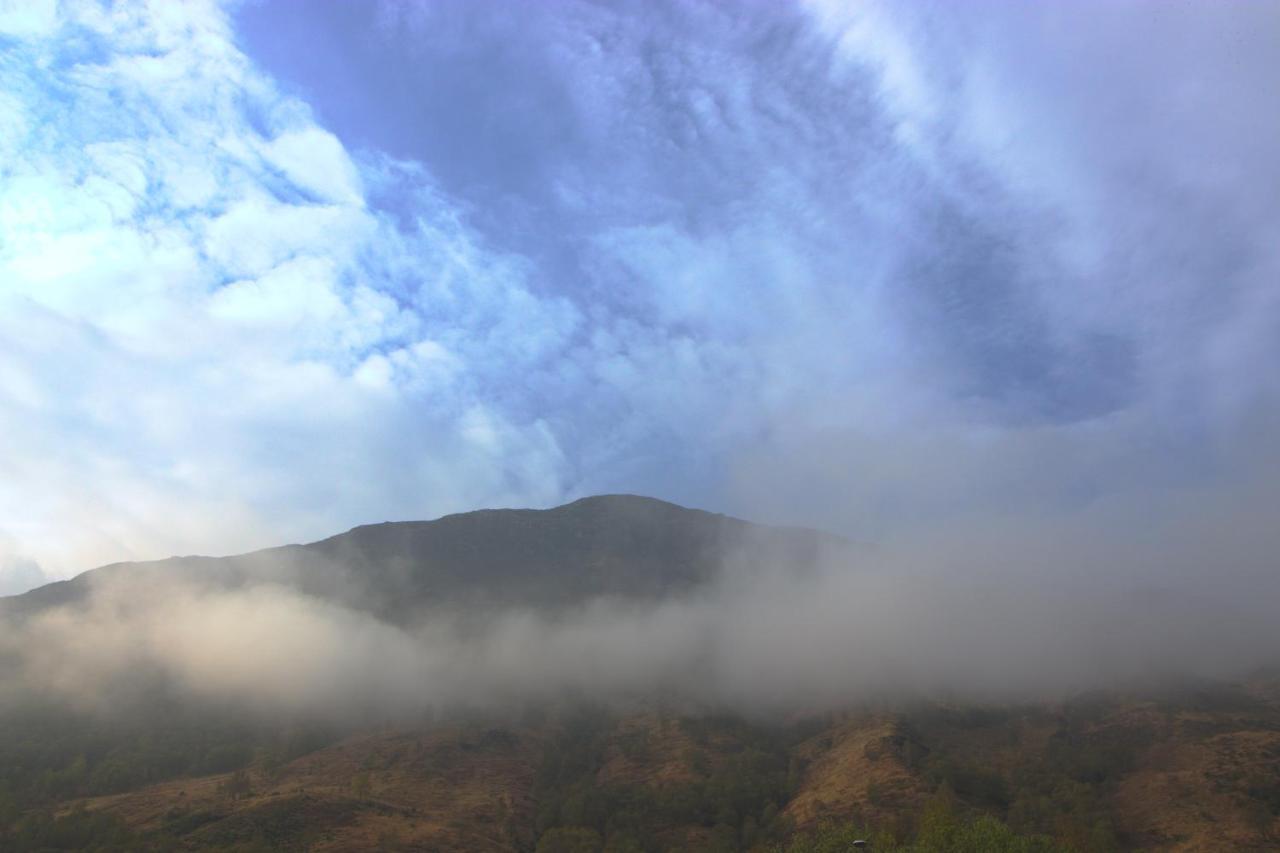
[
  {"x": 272, "y": 763},
  {"x": 237, "y": 785},
  {"x": 361, "y": 785}
]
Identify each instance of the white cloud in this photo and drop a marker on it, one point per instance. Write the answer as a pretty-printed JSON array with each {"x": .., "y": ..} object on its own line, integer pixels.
[
  {"x": 315, "y": 160},
  {"x": 256, "y": 234},
  {"x": 210, "y": 341},
  {"x": 27, "y": 17},
  {"x": 17, "y": 575}
]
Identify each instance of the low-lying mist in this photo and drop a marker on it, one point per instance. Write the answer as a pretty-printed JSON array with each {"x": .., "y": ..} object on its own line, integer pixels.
[{"x": 1114, "y": 598}]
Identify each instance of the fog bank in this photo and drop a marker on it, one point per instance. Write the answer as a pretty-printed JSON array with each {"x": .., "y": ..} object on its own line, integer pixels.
[{"x": 1109, "y": 597}]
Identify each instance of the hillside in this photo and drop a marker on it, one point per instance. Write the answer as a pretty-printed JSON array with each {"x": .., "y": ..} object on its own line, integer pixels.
[
  {"x": 621, "y": 546},
  {"x": 1191, "y": 772},
  {"x": 1196, "y": 768}
]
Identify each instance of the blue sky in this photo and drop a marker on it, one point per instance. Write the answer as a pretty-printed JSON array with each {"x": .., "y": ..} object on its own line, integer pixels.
[{"x": 269, "y": 269}]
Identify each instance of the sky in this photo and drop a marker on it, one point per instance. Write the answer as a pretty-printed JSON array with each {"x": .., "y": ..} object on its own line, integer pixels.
[{"x": 904, "y": 271}]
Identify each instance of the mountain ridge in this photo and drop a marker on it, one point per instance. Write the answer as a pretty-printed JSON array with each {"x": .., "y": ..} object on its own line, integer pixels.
[{"x": 612, "y": 545}]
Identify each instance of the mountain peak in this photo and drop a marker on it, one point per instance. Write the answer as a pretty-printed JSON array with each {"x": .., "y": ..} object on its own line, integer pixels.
[{"x": 615, "y": 545}]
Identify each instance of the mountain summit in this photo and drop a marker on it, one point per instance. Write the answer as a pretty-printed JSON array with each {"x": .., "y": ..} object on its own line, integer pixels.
[{"x": 620, "y": 546}]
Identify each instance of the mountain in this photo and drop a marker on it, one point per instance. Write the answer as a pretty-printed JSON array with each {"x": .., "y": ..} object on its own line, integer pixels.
[
  {"x": 1189, "y": 769},
  {"x": 622, "y": 546}
]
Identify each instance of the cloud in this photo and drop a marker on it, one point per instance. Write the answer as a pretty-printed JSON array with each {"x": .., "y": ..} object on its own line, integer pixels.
[
  {"x": 790, "y": 189},
  {"x": 1088, "y": 265},
  {"x": 18, "y": 575},
  {"x": 198, "y": 297},
  {"x": 830, "y": 263},
  {"x": 1038, "y": 609},
  {"x": 1150, "y": 163}
]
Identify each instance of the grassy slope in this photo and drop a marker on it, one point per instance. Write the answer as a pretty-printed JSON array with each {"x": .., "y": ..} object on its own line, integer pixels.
[{"x": 1172, "y": 773}]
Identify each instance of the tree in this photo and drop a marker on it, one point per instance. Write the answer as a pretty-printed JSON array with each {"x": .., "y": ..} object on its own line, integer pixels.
[
  {"x": 237, "y": 785},
  {"x": 272, "y": 763},
  {"x": 361, "y": 786}
]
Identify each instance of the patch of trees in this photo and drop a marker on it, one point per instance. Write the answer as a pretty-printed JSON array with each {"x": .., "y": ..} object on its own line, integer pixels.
[
  {"x": 1061, "y": 791},
  {"x": 49, "y": 753},
  {"x": 743, "y": 775},
  {"x": 941, "y": 828},
  {"x": 78, "y": 830}
]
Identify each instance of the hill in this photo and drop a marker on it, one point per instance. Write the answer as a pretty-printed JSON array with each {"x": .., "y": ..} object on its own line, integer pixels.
[
  {"x": 1189, "y": 772},
  {"x": 621, "y": 546},
  {"x": 1191, "y": 768}
]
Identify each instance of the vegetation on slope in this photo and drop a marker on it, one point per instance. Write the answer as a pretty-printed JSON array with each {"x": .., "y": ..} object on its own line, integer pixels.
[{"x": 925, "y": 779}]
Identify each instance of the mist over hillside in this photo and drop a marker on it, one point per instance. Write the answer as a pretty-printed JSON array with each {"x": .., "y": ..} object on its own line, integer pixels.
[
  {"x": 627, "y": 601},
  {"x": 621, "y": 667}
]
